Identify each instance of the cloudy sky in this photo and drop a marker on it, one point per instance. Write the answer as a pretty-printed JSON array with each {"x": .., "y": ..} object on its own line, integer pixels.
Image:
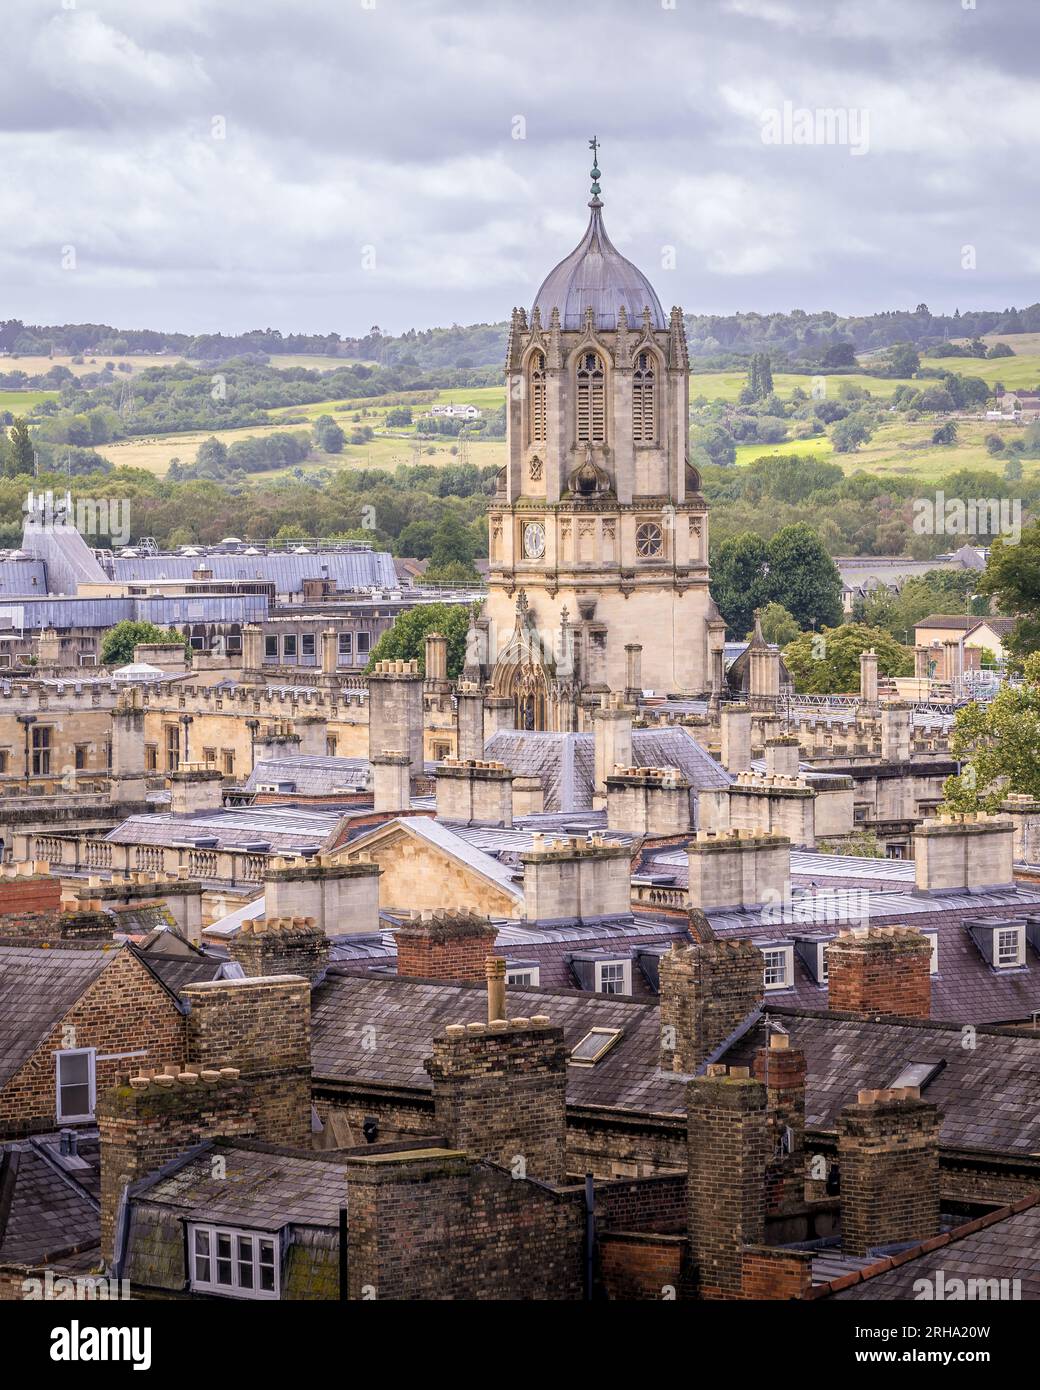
[{"x": 319, "y": 165}]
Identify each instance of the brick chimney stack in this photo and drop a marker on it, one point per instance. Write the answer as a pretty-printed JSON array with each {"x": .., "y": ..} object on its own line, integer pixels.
[
  {"x": 781, "y": 1069},
  {"x": 444, "y": 946},
  {"x": 499, "y": 1093},
  {"x": 707, "y": 990},
  {"x": 281, "y": 946},
  {"x": 727, "y": 1146},
  {"x": 888, "y": 1153},
  {"x": 880, "y": 970}
]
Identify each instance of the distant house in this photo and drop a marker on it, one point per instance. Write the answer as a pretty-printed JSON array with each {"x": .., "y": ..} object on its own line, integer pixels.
[
  {"x": 1021, "y": 403},
  {"x": 456, "y": 412},
  {"x": 861, "y": 574},
  {"x": 982, "y": 633}
]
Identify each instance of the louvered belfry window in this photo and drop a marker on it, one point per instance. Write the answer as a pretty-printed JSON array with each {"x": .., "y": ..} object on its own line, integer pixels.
[
  {"x": 591, "y": 400},
  {"x": 644, "y": 414},
  {"x": 537, "y": 398}
]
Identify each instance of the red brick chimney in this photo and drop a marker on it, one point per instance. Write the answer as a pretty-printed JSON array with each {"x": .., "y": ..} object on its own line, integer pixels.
[
  {"x": 444, "y": 945},
  {"x": 781, "y": 1069},
  {"x": 36, "y": 891},
  {"x": 880, "y": 970},
  {"x": 888, "y": 1154}
]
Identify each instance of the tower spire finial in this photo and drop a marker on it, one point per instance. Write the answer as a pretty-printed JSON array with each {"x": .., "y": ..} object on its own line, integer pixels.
[{"x": 594, "y": 171}]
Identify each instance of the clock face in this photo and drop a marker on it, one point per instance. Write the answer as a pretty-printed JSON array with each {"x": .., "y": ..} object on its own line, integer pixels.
[{"x": 534, "y": 540}]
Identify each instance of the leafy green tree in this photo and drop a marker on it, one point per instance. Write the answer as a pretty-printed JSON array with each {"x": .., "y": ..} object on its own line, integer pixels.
[
  {"x": 451, "y": 541},
  {"x": 904, "y": 360},
  {"x": 328, "y": 436},
  {"x": 945, "y": 434},
  {"x": 848, "y": 434},
  {"x": 999, "y": 743},
  {"x": 118, "y": 643},
  {"x": 406, "y": 640},
  {"x": 827, "y": 662},
  {"x": 1001, "y": 350},
  {"x": 20, "y": 460},
  {"x": 1012, "y": 576},
  {"x": 740, "y": 580},
  {"x": 803, "y": 577},
  {"x": 399, "y": 415}
]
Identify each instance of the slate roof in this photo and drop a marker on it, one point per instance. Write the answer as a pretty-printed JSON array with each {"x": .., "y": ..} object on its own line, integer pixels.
[
  {"x": 988, "y": 1094},
  {"x": 287, "y": 827},
  {"x": 262, "y": 1187},
  {"x": 407, "y": 1013},
  {"x": 37, "y": 989},
  {"x": 51, "y": 1202},
  {"x": 1002, "y": 1246},
  {"x": 312, "y": 775}
]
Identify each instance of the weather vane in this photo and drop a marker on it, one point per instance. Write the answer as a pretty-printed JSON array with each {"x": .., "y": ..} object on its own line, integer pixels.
[{"x": 594, "y": 171}]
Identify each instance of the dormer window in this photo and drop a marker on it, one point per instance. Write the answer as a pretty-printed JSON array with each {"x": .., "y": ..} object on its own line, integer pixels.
[
  {"x": 614, "y": 977},
  {"x": 591, "y": 400},
  {"x": 644, "y": 413},
  {"x": 1000, "y": 942},
  {"x": 536, "y": 398},
  {"x": 778, "y": 965}
]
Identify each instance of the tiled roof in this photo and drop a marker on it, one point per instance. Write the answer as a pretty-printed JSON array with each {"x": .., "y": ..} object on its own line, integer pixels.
[
  {"x": 312, "y": 776},
  {"x": 37, "y": 989},
  {"x": 282, "y": 826}
]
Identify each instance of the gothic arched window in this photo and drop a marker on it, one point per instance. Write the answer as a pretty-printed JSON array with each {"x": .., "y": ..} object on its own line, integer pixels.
[
  {"x": 536, "y": 397},
  {"x": 644, "y": 413},
  {"x": 592, "y": 413}
]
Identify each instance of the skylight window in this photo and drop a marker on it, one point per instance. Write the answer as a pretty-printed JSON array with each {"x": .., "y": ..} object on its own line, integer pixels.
[
  {"x": 596, "y": 1043},
  {"x": 918, "y": 1074}
]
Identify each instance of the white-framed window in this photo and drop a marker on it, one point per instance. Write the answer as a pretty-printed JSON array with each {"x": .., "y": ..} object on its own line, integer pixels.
[
  {"x": 1008, "y": 947},
  {"x": 74, "y": 1074},
  {"x": 524, "y": 975},
  {"x": 227, "y": 1260},
  {"x": 613, "y": 977},
  {"x": 778, "y": 966}
]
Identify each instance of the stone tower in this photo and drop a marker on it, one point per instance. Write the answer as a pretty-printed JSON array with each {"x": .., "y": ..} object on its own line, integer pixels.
[{"x": 598, "y": 531}]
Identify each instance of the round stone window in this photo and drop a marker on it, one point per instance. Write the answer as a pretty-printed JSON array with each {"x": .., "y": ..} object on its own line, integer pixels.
[{"x": 649, "y": 540}]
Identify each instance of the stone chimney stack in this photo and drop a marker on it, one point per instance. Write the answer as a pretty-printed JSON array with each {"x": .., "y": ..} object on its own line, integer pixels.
[
  {"x": 475, "y": 792},
  {"x": 436, "y": 657},
  {"x": 738, "y": 868},
  {"x": 707, "y": 990},
  {"x": 391, "y": 780},
  {"x": 633, "y": 673},
  {"x": 528, "y": 796},
  {"x": 888, "y": 1154},
  {"x": 445, "y": 946},
  {"x": 195, "y": 787},
  {"x": 252, "y": 638},
  {"x": 896, "y": 731},
  {"x": 736, "y": 737},
  {"x": 727, "y": 1146},
  {"x": 571, "y": 879},
  {"x": 329, "y": 651},
  {"x": 395, "y": 710},
  {"x": 342, "y": 898},
  {"x": 880, "y": 970},
  {"x": 783, "y": 756},
  {"x": 648, "y": 801},
  {"x": 868, "y": 677},
  {"x": 499, "y": 717},
  {"x": 612, "y": 728},
  {"x": 469, "y": 716},
  {"x": 499, "y": 1093},
  {"x": 958, "y": 852},
  {"x": 128, "y": 776}
]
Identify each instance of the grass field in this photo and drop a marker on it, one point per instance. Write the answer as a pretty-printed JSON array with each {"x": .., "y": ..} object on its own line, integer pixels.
[
  {"x": 1018, "y": 372},
  {"x": 38, "y": 366},
  {"x": 21, "y": 402}
]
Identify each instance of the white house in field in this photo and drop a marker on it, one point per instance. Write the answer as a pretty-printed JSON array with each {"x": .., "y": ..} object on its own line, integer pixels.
[{"x": 456, "y": 412}]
